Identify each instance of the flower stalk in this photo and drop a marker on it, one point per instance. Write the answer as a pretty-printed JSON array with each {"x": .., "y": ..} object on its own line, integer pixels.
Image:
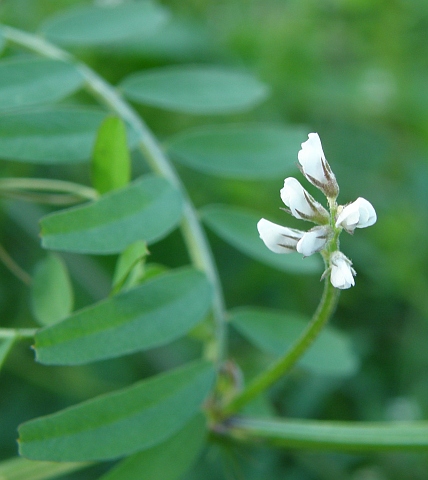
[{"x": 284, "y": 364}]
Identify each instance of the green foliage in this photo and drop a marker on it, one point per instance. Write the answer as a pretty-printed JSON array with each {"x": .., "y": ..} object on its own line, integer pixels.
[
  {"x": 122, "y": 422},
  {"x": 155, "y": 313},
  {"x": 238, "y": 151},
  {"x": 52, "y": 291},
  {"x": 225, "y": 88},
  {"x": 148, "y": 208},
  {"x": 195, "y": 89},
  {"x": 111, "y": 165}
]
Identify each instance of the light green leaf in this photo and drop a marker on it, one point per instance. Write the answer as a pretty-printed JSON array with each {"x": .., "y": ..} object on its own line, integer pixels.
[
  {"x": 239, "y": 228},
  {"x": 152, "y": 314},
  {"x": 195, "y": 89},
  {"x": 274, "y": 332},
  {"x": 21, "y": 468},
  {"x": 130, "y": 261},
  {"x": 242, "y": 151},
  {"x": 122, "y": 422},
  {"x": 51, "y": 291},
  {"x": 92, "y": 25},
  {"x": 331, "y": 435},
  {"x": 111, "y": 164},
  {"x": 147, "y": 209},
  {"x": 49, "y": 135},
  {"x": 6, "y": 345},
  {"x": 34, "y": 81},
  {"x": 168, "y": 460}
]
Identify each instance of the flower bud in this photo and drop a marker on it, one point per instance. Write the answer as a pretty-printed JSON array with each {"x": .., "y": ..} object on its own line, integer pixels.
[
  {"x": 301, "y": 204},
  {"x": 277, "y": 238},
  {"x": 313, "y": 241},
  {"x": 315, "y": 167},
  {"x": 358, "y": 214},
  {"x": 342, "y": 273}
]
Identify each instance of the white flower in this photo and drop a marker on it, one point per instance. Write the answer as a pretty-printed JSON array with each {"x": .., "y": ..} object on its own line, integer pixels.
[
  {"x": 302, "y": 205},
  {"x": 313, "y": 241},
  {"x": 342, "y": 273},
  {"x": 358, "y": 214},
  {"x": 315, "y": 167},
  {"x": 277, "y": 238}
]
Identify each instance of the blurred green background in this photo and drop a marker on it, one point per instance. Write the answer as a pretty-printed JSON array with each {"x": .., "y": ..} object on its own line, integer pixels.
[{"x": 356, "y": 72}]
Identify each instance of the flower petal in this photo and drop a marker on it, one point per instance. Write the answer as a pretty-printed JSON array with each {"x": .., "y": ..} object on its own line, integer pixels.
[
  {"x": 342, "y": 273},
  {"x": 358, "y": 214},
  {"x": 277, "y": 238},
  {"x": 313, "y": 241}
]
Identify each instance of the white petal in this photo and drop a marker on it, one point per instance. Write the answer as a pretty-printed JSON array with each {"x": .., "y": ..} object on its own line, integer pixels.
[
  {"x": 311, "y": 156},
  {"x": 312, "y": 241},
  {"x": 358, "y": 214},
  {"x": 342, "y": 273},
  {"x": 277, "y": 238}
]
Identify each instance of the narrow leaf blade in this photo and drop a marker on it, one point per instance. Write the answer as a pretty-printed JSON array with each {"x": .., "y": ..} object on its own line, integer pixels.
[
  {"x": 274, "y": 333},
  {"x": 51, "y": 291},
  {"x": 153, "y": 314},
  {"x": 238, "y": 151},
  {"x": 34, "y": 81},
  {"x": 111, "y": 164},
  {"x": 239, "y": 228},
  {"x": 122, "y": 422},
  {"x": 94, "y": 25},
  {"x": 5, "y": 347},
  {"x": 168, "y": 460},
  {"x": 338, "y": 436},
  {"x": 195, "y": 89},
  {"x": 147, "y": 209}
]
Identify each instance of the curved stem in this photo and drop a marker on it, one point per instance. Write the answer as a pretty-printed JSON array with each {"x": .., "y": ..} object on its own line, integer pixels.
[
  {"x": 10, "y": 263},
  {"x": 279, "y": 368},
  {"x": 194, "y": 236},
  {"x": 17, "y": 333}
]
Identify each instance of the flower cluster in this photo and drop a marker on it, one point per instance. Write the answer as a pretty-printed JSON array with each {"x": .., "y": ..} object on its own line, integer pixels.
[{"x": 324, "y": 237}]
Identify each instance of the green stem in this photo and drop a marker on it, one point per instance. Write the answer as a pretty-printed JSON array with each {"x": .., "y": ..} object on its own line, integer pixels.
[
  {"x": 194, "y": 236},
  {"x": 279, "y": 368},
  {"x": 19, "y": 333},
  {"x": 10, "y": 263}
]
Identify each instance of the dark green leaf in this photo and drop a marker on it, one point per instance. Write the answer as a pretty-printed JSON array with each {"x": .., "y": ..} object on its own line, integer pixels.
[
  {"x": 92, "y": 25},
  {"x": 239, "y": 228},
  {"x": 51, "y": 291},
  {"x": 338, "y": 436},
  {"x": 242, "y": 151},
  {"x": 32, "y": 81},
  {"x": 274, "y": 332},
  {"x": 122, "y": 422},
  {"x": 168, "y": 460},
  {"x": 111, "y": 164},
  {"x": 195, "y": 89},
  {"x": 49, "y": 135},
  {"x": 153, "y": 314},
  {"x": 147, "y": 209}
]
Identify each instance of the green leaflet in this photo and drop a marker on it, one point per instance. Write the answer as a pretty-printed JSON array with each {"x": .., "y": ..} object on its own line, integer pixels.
[
  {"x": 49, "y": 135},
  {"x": 94, "y": 25},
  {"x": 111, "y": 164},
  {"x": 239, "y": 228},
  {"x": 332, "y": 435},
  {"x": 168, "y": 460},
  {"x": 51, "y": 291},
  {"x": 33, "y": 81},
  {"x": 21, "y": 468},
  {"x": 147, "y": 209},
  {"x": 5, "y": 347},
  {"x": 122, "y": 422},
  {"x": 239, "y": 151},
  {"x": 274, "y": 332},
  {"x": 195, "y": 89},
  {"x": 153, "y": 314}
]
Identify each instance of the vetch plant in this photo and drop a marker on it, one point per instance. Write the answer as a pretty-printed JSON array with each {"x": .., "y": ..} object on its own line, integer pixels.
[
  {"x": 323, "y": 238},
  {"x": 181, "y": 389}
]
